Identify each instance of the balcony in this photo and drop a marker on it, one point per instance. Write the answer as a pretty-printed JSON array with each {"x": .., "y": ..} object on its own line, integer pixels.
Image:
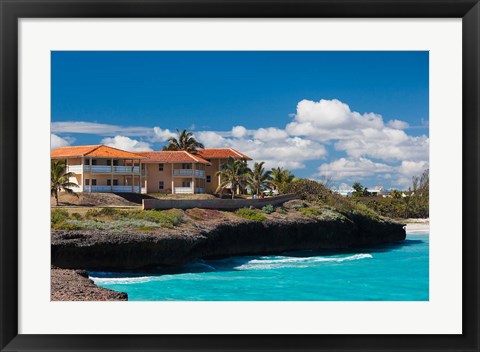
[
  {"x": 104, "y": 169},
  {"x": 114, "y": 189},
  {"x": 188, "y": 172}
]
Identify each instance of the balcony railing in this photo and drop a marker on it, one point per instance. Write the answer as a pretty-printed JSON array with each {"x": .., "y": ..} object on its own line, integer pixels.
[
  {"x": 183, "y": 190},
  {"x": 76, "y": 169},
  {"x": 188, "y": 172},
  {"x": 104, "y": 169},
  {"x": 115, "y": 189},
  {"x": 188, "y": 190}
]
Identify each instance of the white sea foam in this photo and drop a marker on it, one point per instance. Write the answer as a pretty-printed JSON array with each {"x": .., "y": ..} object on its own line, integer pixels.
[
  {"x": 289, "y": 262},
  {"x": 120, "y": 280},
  {"x": 261, "y": 263}
]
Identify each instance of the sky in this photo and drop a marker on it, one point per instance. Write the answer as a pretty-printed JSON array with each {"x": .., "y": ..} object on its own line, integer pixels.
[{"x": 341, "y": 117}]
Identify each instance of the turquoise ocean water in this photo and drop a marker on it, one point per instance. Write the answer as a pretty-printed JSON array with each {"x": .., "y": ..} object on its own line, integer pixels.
[{"x": 395, "y": 272}]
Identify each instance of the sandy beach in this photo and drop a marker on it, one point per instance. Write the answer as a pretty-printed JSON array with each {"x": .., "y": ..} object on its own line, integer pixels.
[{"x": 418, "y": 226}]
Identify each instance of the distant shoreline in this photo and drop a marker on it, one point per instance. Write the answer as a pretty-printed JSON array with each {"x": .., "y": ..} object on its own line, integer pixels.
[{"x": 417, "y": 226}]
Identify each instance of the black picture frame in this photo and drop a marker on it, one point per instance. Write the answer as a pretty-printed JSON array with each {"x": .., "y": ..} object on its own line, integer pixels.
[{"x": 11, "y": 11}]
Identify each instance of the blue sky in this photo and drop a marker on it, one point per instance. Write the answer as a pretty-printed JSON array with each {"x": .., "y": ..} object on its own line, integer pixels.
[{"x": 341, "y": 116}]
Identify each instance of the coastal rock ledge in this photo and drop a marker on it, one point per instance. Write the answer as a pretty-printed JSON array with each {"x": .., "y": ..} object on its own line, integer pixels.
[
  {"x": 74, "y": 285},
  {"x": 100, "y": 250}
]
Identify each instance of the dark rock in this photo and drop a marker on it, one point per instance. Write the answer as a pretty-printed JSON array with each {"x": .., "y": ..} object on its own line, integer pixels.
[
  {"x": 129, "y": 251},
  {"x": 73, "y": 285}
]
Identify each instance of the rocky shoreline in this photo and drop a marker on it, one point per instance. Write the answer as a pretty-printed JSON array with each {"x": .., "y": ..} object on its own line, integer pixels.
[
  {"x": 100, "y": 250},
  {"x": 74, "y": 285}
]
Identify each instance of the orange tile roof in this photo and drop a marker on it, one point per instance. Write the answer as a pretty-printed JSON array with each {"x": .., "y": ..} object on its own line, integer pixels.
[
  {"x": 172, "y": 157},
  {"x": 222, "y": 153},
  {"x": 97, "y": 151}
]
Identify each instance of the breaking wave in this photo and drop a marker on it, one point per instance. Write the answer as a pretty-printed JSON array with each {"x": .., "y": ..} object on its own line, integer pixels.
[
  {"x": 288, "y": 262},
  {"x": 228, "y": 264}
]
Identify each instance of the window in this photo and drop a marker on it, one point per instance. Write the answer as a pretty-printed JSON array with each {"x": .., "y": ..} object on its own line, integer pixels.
[
  {"x": 186, "y": 184},
  {"x": 109, "y": 162},
  {"x": 109, "y": 182},
  {"x": 94, "y": 182},
  {"x": 186, "y": 166},
  {"x": 209, "y": 178},
  {"x": 94, "y": 161},
  {"x": 87, "y": 182},
  {"x": 160, "y": 185},
  {"x": 160, "y": 168}
]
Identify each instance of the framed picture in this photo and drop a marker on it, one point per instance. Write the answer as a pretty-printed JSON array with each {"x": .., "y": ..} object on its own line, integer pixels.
[{"x": 239, "y": 175}]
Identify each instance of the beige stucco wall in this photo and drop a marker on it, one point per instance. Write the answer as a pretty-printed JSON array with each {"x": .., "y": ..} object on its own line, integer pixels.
[
  {"x": 154, "y": 176},
  {"x": 75, "y": 161},
  {"x": 211, "y": 170},
  {"x": 76, "y": 178}
]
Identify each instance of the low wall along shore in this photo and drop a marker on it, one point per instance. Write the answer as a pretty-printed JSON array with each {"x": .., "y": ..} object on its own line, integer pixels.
[{"x": 219, "y": 204}]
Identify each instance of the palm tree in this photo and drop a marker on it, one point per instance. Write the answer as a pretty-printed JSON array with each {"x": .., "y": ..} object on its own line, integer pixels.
[
  {"x": 184, "y": 141},
  {"x": 281, "y": 178},
  {"x": 259, "y": 178},
  {"x": 232, "y": 174},
  {"x": 60, "y": 180}
]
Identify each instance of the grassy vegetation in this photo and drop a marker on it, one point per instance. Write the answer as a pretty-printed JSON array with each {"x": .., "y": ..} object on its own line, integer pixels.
[
  {"x": 321, "y": 198},
  {"x": 114, "y": 220},
  {"x": 311, "y": 211},
  {"x": 250, "y": 214},
  {"x": 317, "y": 201},
  {"x": 407, "y": 207},
  {"x": 59, "y": 220},
  {"x": 268, "y": 209}
]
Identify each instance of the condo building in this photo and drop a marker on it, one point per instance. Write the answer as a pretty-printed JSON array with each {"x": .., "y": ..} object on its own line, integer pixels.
[{"x": 99, "y": 168}]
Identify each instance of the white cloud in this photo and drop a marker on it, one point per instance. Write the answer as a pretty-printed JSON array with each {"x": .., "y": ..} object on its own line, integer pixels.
[
  {"x": 407, "y": 170},
  {"x": 352, "y": 169},
  {"x": 386, "y": 144},
  {"x": 239, "y": 131},
  {"x": 270, "y": 133},
  {"x": 359, "y": 135},
  {"x": 329, "y": 119},
  {"x": 287, "y": 152},
  {"x": 412, "y": 168},
  {"x": 362, "y": 137},
  {"x": 212, "y": 139},
  {"x": 160, "y": 135},
  {"x": 98, "y": 128},
  {"x": 398, "y": 124},
  {"x": 125, "y": 143},
  {"x": 58, "y": 142}
]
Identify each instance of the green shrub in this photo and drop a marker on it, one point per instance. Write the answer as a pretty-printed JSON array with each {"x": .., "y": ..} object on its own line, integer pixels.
[
  {"x": 58, "y": 216},
  {"x": 92, "y": 213},
  {"x": 309, "y": 190},
  {"x": 311, "y": 211},
  {"x": 115, "y": 226},
  {"x": 64, "y": 225},
  {"x": 108, "y": 212},
  {"x": 77, "y": 216},
  {"x": 167, "y": 218},
  {"x": 268, "y": 209},
  {"x": 250, "y": 214}
]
